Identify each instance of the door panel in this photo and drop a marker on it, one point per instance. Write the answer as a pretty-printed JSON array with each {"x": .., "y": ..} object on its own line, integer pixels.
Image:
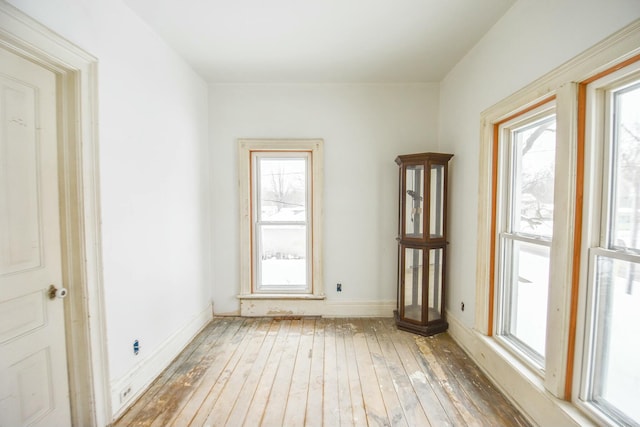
[
  {"x": 21, "y": 214},
  {"x": 34, "y": 387},
  {"x": 31, "y": 379},
  {"x": 21, "y": 315}
]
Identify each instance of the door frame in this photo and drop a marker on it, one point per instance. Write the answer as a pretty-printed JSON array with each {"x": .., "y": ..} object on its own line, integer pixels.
[{"x": 77, "y": 102}]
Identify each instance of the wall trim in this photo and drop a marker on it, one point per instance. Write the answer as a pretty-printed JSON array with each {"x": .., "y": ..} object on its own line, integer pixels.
[
  {"x": 360, "y": 308},
  {"x": 76, "y": 73},
  {"x": 140, "y": 377}
]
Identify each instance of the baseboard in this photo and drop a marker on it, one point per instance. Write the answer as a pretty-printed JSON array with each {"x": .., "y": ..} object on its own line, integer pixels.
[
  {"x": 148, "y": 369},
  {"x": 359, "y": 308},
  {"x": 523, "y": 388}
]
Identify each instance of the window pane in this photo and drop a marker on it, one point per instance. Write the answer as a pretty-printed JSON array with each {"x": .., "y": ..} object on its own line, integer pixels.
[
  {"x": 527, "y": 282},
  {"x": 413, "y": 284},
  {"x": 283, "y": 256},
  {"x": 626, "y": 180},
  {"x": 437, "y": 196},
  {"x": 533, "y": 173},
  {"x": 617, "y": 372},
  {"x": 282, "y": 189},
  {"x": 414, "y": 180},
  {"x": 435, "y": 281}
]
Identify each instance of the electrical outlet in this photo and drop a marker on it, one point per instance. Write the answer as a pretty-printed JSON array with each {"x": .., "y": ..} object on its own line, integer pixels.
[
  {"x": 125, "y": 394},
  {"x": 338, "y": 287}
]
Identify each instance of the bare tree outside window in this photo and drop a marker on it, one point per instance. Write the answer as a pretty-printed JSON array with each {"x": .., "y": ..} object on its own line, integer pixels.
[
  {"x": 626, "y": 198},
  {"x": 283, "y": 185},
  {"x": 536, "y": 146},
  {"x": 286, "y": 188}
]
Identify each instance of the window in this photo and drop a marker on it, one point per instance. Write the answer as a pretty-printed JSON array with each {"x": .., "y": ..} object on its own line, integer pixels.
[
  {"x": 282, "y": 229},
  {"x": 280, "y": 222},
  {"x": 527, "y": 169},
  {"x": 584, "y": 347},
  {"x": 611, "y": 374}
]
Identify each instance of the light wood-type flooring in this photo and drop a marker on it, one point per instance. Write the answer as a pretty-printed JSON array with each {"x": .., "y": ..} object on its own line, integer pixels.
[{"x": 320, "y": 372}]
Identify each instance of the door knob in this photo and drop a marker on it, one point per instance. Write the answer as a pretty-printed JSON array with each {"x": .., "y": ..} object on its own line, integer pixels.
[{"x": 57, "y": 293}]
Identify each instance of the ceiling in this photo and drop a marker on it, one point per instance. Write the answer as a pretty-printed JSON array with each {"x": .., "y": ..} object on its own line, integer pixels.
[{"x": 321, "y": 41}]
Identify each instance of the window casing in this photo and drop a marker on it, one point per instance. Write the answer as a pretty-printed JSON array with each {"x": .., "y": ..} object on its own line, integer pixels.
[
  {"x": 526, "y": 174},
  {"x": 280, "y": 206}
]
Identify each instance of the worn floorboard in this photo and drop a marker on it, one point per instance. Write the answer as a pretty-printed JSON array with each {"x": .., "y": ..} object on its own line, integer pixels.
[{"x": 320, "y": 372}]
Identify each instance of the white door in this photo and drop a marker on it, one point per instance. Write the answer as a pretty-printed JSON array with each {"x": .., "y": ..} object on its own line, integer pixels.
[{"x": 34, "y": 387}]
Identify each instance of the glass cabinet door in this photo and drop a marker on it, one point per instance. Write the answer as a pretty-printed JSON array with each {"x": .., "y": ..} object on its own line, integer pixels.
[
  {"x": 413, "y": 284},
  {"x": 435, "y": 280},
  {"x": 414, "y": 201},
  {"x": 436, "y": 205}
]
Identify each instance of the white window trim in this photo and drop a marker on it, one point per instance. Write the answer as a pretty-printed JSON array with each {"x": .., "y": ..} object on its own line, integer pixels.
[
  {"x": 541, "y": 399},
  {"x": 286, "y": 303},
  {"x": 558, "y": 313}
]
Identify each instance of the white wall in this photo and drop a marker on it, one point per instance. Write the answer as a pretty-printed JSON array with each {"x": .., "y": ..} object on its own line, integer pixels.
[
  {"x": 153, "y": 150},
  {"x": 531, "y": 39},
  {"x": 364, "y": 128}
]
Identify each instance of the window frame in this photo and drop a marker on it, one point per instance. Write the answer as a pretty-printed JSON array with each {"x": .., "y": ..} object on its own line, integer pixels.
[
  {"x": 600, "y": 166},
  {"x": 314, "y": 148},
  {"x": 257, "y": 222},
  {"x": 505, "y": 235}
]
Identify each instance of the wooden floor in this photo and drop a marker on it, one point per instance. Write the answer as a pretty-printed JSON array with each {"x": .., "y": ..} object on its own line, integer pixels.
[{"x": 320, "y": 372}]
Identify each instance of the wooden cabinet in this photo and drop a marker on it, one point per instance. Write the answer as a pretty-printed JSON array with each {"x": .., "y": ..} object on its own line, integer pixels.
[{"x": 422, "y": 242}]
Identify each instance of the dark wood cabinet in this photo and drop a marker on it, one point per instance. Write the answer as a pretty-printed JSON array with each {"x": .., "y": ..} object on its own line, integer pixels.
[{"x": 422, "y": 242}]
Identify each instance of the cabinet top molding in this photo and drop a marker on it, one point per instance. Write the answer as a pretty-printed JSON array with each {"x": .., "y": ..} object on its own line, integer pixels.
[{"x": 404, "y": 158}]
